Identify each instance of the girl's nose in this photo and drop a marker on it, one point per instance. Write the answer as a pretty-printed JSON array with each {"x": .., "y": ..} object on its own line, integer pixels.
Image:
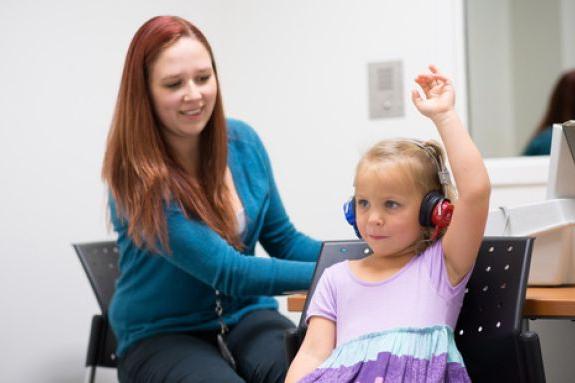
[{"x": 375, "y": 218}]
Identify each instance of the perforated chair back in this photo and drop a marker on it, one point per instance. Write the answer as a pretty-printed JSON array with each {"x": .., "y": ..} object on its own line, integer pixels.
[
  {"x": 489, "y": 325},
  {"x": 333, "y": 252},
  {"x": 100, "y": 262}
]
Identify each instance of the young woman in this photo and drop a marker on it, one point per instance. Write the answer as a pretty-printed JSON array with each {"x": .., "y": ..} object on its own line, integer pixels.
[{"x": 191, "y": 193}]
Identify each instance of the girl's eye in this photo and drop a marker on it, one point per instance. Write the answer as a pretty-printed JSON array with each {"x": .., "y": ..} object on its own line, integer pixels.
[
  {"x": 391, "y": 204},
  {"x": 362, "y": 203}
]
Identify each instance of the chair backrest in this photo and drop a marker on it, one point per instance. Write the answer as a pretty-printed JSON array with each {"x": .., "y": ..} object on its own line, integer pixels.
[
  {"x": 333, "y": 252},
  {"x": 100, "y": 262},
  {"x": 489, "y": 325},
  {"x": 490, "y": 321}
]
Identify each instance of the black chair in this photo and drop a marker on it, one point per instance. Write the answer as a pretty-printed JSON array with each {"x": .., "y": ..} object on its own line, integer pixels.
[
  {"x": 491, "y": 334},
  {"x": 100, "y": 262}
]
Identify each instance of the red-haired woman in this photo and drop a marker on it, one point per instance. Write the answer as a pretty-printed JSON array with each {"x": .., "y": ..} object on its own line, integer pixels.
[
  {"x": 191, "y": 193},
  {"x": 561, "y": 108}
]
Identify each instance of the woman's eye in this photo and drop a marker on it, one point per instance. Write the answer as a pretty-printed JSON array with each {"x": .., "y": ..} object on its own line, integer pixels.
[
  {"x": 204, "y": 79},
  {"x": 173, "y": 84}
]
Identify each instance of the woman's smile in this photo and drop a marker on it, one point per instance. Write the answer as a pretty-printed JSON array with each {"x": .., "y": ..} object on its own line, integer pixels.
[{"x": 192, "y": 113}]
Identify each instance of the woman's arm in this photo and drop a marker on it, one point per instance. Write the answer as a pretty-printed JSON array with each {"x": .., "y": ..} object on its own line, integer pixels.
[
  {"x": 317, "y": 345},
  {"x": 465, "y": 233},
  {"x": 202, "y": 253}
]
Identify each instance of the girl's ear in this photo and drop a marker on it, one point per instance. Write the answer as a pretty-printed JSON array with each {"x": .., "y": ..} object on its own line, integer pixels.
[{"x": 426, "y": 233}]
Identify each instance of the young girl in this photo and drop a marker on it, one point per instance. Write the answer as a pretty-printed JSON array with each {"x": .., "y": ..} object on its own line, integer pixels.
[{"x": 389, "y": 317}]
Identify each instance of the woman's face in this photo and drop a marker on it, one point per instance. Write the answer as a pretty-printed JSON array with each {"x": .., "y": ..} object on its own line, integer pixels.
[{"x": 183, "y": 87}]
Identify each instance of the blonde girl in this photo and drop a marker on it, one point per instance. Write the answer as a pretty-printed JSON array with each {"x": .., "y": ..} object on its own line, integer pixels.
[{"x": 390, "y": 316}]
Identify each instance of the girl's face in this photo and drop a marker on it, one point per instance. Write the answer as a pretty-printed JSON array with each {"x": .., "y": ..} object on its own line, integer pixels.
[
  {"x": 387, "y": 208},
  {"x": 183, "y": 87}
]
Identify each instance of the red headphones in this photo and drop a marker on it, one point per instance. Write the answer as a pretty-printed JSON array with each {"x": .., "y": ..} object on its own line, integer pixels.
[{"x": 435, "y": 211}]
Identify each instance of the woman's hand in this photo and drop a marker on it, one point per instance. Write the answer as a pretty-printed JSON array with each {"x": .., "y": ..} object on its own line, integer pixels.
[{"x": 439, "y": 98}]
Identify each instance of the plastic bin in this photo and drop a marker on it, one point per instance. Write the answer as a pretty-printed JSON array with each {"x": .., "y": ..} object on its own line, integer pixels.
[{"x": 552, "y": 223}]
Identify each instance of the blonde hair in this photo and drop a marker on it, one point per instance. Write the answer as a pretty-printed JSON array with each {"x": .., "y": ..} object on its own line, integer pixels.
[{"x": 423, "y": 163}]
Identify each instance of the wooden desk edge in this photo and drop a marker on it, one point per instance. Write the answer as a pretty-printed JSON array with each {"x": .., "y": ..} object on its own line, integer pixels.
[
  {"x": 540, "y": 302},
  {"x": 550, "y": 302},
  {"x": 296, "y": 302}
]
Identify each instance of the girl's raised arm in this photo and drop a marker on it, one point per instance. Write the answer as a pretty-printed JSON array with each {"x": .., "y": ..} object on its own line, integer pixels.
[{"x": 463, "y": 238}]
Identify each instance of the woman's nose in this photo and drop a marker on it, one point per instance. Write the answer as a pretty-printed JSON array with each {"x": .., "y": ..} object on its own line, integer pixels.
[{"x": 192, "y": 91}]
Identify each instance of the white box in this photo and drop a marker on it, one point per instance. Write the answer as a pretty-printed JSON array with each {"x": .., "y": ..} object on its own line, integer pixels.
[{"x": 552, "y": 223}]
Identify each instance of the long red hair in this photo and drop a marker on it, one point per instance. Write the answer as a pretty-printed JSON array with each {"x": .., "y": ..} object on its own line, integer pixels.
[{"x": 142, "y": 173}]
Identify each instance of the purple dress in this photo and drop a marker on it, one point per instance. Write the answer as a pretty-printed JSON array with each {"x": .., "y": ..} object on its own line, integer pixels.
[{"x": 396, "y": 330}]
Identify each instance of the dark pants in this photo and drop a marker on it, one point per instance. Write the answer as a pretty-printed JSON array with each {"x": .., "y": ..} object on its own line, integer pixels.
[{"x": 256, "y": 342}]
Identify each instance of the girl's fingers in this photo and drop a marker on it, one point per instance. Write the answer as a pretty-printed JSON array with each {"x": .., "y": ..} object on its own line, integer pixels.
[
  {"x": 432, "y": 79},
  {"x": 435, "y": 70},
  {"x": 441, "y": 78},
  {"x": 416, "y": 97},
  {"x": 424, "y": 86},
  {"x": 430, "y": 85},
  {"x": 438, "y": 75}
]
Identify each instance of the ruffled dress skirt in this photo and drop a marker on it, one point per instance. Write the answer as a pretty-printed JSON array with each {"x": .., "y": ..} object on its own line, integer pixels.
[{"x": 406, "y": 355}]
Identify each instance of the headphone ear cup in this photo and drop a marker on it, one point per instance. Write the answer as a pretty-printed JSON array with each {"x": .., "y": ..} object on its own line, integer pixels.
[
  {"x": 349, "y": 211},
  {"x": 435, "y": 211},
  {"x": 428, "y": 204}
]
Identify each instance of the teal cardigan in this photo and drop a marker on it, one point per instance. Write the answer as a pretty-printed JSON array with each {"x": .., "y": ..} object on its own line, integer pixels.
[
  {"x": 540, "y": 145},
  {"x": 161, "y": 293}
]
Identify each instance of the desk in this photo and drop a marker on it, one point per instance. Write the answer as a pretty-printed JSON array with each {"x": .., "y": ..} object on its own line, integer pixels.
[
  {"x": 541, "y": 302},
  {"x": 550, "y": 302}
]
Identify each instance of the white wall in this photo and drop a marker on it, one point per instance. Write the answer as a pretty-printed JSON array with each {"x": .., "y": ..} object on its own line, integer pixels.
[
  {"x": 298, "y": 73},
  {"x": 296, "y": 70},
  {"x": 536, "y": 63},
  {"x": 490, "y": 76},
  {"x": 567, "y": 10}
]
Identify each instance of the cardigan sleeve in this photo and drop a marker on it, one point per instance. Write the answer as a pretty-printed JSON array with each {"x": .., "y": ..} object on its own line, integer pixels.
[{"x": 202, "y": 253}]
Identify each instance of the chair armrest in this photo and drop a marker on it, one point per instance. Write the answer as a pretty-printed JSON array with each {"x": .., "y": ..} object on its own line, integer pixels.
[
  {"x": 532, "y": 359},
  {"x": 293, "y": 340}
]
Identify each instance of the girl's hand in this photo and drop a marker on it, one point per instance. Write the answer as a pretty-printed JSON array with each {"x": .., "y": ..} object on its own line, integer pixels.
[{"x": 439, "y": 98}]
